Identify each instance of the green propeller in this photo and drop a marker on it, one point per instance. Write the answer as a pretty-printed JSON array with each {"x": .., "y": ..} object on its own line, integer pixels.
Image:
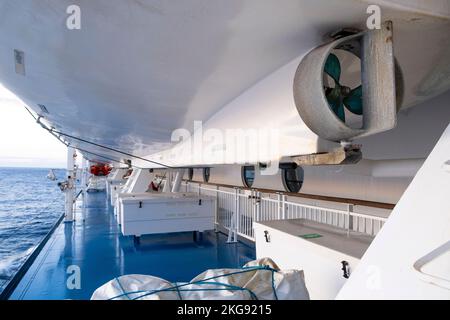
[{"x": 340, "y": 95}]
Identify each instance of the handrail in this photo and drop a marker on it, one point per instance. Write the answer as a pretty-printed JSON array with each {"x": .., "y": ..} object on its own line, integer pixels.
[
  {"x": 354, "y": 214},
  {"x": 255, "y": 210},
  {"x": 77, "y": 196},
  {"x": 366, "y": 216}
]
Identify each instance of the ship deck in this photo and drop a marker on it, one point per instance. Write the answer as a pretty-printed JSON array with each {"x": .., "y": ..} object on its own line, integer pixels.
[{"x": 96, "y": 246}]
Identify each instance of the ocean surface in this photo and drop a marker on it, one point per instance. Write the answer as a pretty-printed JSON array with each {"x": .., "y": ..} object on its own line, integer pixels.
[{"x": 30, "y": 204}]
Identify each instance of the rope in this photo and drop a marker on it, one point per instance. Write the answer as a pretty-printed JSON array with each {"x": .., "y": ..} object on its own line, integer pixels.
[
  {"x": 101, "y": 156},
  {"x": 121, "y": 288},
  {"x": 205, "y": 289},
  {"x": 178, "y": 287},
  {"x": 178, "y": 291},
  {"x": 273, "y": 287},
  {"x": 109, "y": 148},
  {"x": 55, "y": 133}
]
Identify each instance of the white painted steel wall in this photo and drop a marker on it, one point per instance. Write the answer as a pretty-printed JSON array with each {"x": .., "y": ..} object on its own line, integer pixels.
[
  {"x": 410, "y": 258},
  {"x": 378, "y": 181}
]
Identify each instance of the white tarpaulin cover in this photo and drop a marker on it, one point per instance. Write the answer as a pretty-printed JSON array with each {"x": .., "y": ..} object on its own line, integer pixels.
[{"x": 257, "y": 280}]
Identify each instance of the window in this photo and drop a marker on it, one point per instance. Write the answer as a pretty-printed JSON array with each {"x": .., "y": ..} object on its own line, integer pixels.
[
  {"x": 293, "y": 179},
  {"x": 190, "y": 174},
  {"x": 248, "y": 175},
  {"x": 206, "y": 174}
]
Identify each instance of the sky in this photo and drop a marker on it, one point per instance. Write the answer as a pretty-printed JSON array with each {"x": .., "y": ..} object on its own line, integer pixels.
[{"x": 23, "y": 143}]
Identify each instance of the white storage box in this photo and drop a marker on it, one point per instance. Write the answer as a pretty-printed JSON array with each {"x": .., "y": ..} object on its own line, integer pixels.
[
  {"x": 152, "y": 213},
  {"x": 118, "y": 205},
  {"x": 317, "y": 249}
]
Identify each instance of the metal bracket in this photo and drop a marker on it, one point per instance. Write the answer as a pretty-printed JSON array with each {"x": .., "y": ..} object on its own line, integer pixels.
[
  {"x": 267, "y": 236},
  {"x": 346, "y": 269},
  {"x": 345, "y": 155}
]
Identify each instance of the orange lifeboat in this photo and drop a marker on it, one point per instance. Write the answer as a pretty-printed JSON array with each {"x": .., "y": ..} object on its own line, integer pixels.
[{"x": 100, "y": 170}]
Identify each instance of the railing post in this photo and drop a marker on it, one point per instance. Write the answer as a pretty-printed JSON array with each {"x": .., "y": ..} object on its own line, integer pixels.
[
  {"x": 258, "y": 206},
  {"x": 253, "y": 201},
  {"x": 249, "y": 226},
  {"x": 232, "y": 234},
  {"x": 70, "y": 189},
  {"x": 279, "y": 201},
  {"x": 349, "y": 218},
  {"x": 283, "y": 209},
  {"x": 216, "y": 222},
  {"x": 238, "y": 214},
  {"x": 84, "y": 184}
]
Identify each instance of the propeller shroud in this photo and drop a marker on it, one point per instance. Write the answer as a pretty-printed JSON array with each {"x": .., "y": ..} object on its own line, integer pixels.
[{"x": 322, "y": 108}]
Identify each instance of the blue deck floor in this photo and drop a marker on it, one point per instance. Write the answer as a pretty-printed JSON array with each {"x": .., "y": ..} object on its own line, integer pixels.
[{"x": 98, "y": 249}]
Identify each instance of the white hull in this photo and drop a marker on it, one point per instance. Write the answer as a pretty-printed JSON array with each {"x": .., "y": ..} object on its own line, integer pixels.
[{"x": 137, "y": 70}]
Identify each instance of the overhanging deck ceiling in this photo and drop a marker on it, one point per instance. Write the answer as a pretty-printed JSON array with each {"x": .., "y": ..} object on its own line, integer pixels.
[{"x": 138, "y": 69}]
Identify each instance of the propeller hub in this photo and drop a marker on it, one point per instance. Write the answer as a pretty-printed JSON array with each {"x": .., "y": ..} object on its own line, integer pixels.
[
  {"x": 345, "y": 91},
  {"x": 335, "y": 93}
]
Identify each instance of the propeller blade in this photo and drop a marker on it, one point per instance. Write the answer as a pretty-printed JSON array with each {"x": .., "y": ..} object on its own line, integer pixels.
[
  {"x": 337, "y": 107},
  {"x": 341, "y": 112},
  {"x": 353, "y": 102},
  {"x": 333, "y": 67}
]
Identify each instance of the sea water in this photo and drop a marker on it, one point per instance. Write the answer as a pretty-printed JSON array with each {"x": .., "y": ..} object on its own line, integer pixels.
[{"x": 30, "y": 204}]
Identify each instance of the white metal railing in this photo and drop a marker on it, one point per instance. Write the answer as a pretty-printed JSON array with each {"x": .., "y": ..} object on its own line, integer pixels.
[{"x": 237, "y": 209}]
